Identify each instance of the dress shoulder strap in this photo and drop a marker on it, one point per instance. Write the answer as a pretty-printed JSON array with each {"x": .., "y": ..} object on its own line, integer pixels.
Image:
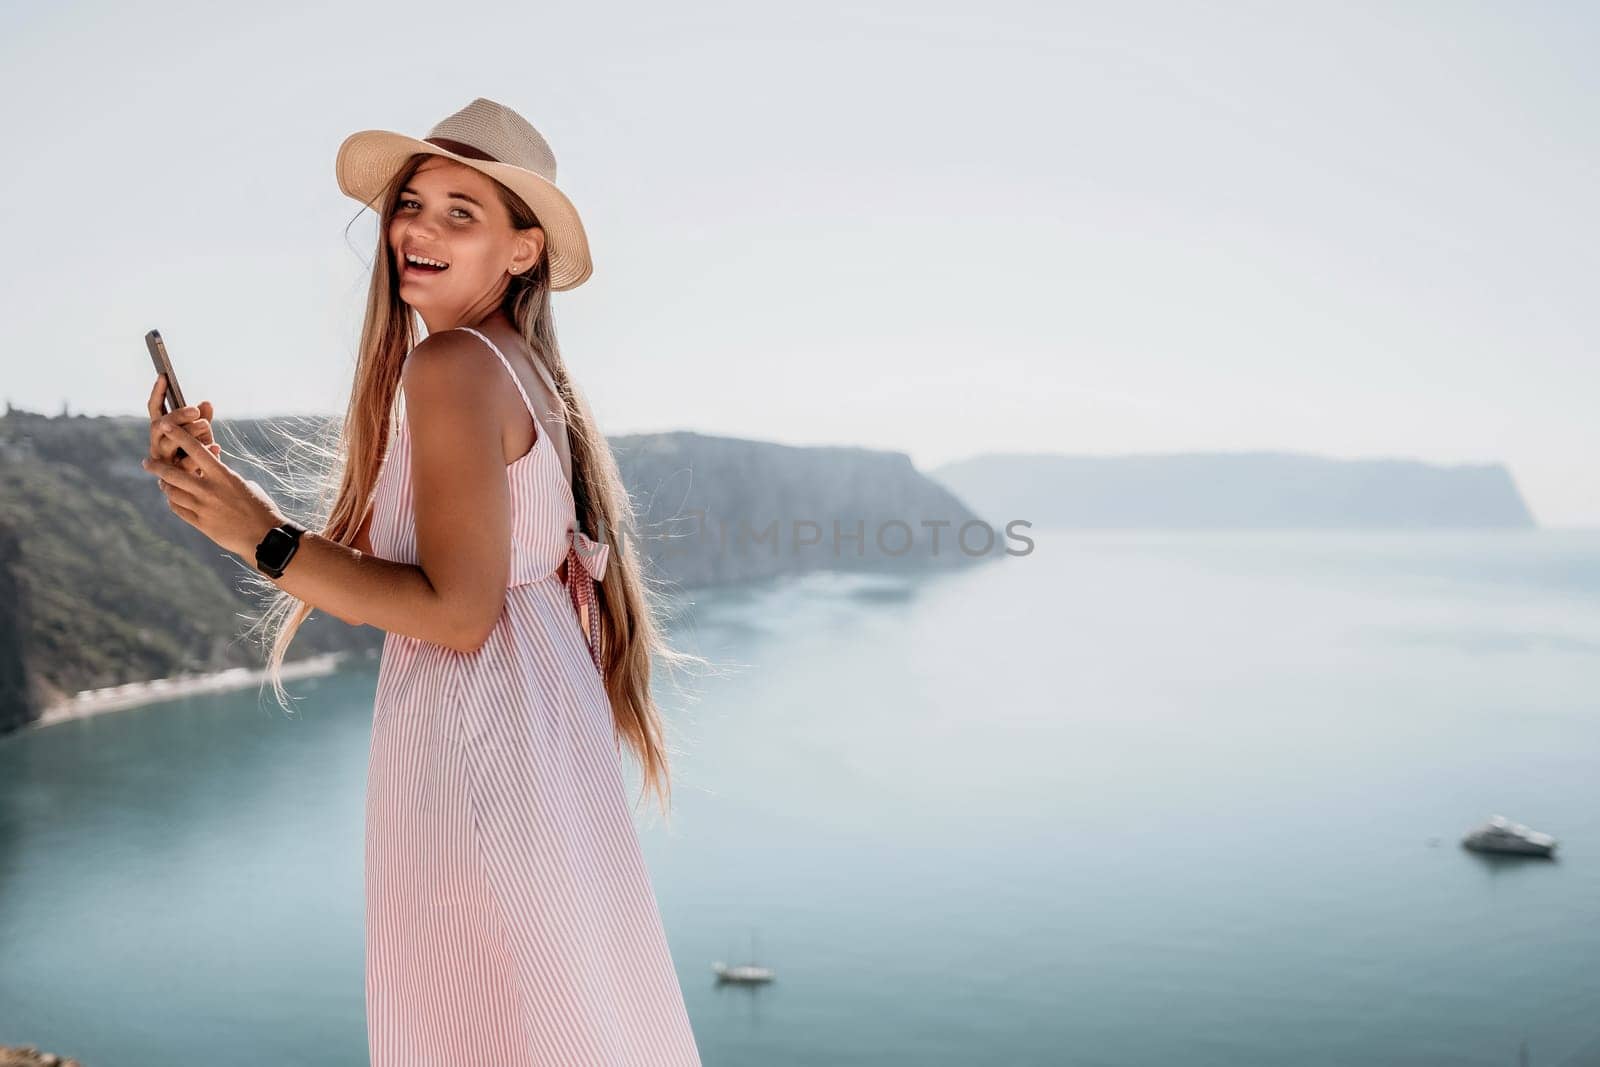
[{"x": 515, "y": 380}]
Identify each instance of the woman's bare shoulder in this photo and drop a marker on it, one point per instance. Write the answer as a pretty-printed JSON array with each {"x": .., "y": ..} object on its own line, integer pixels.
[
  {"x": 451, "y": 372},
  {"x": 455, "y": 396},
  {"x": 445, "y": 356}
]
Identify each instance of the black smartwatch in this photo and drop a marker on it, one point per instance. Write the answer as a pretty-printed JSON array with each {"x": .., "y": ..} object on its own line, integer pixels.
[{"x": 278, "y": 548}]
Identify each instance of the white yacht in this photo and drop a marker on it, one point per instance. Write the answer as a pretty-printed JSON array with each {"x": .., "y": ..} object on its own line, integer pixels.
[
  {"x": 744, "y": 973},
  {"x": 1500, "y": 834},
  {"x": 751, "y": 973}
]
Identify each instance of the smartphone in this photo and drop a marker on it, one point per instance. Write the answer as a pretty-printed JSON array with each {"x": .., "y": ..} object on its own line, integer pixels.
[{"x": 172, "y": 400}]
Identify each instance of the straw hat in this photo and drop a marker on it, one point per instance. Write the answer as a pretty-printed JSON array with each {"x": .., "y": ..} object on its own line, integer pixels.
[{"x": 487, "y": 137}]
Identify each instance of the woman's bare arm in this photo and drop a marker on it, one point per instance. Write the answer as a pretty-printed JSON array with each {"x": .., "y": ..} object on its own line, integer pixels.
[
  {"x": 363, "y": 545},
  {"x": 455, "y": 594}
]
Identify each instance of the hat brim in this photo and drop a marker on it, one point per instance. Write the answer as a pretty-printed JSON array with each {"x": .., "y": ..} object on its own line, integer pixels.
[{"x": 368, "y": 160}]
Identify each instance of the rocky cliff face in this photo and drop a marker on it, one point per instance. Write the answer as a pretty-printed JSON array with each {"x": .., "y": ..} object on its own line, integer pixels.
[
  {"x": 719, "y": 509},
  {"x": 101, "y": 584},
  {"x": 16, "y": 697}
]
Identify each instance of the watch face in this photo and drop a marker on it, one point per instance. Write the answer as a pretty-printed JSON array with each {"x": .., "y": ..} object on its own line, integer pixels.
[{"x": 275, "y": 547}]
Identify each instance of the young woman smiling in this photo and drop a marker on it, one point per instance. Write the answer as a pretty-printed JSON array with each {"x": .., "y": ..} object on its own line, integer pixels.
[{"x": 509, "y": 914}]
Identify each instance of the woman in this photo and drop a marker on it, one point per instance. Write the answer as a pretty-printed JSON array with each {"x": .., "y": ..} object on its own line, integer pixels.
[{"x": 510, "y": 918}]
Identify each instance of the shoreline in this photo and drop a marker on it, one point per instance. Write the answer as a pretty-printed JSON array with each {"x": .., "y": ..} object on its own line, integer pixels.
[{"x": 89, "y": 702}]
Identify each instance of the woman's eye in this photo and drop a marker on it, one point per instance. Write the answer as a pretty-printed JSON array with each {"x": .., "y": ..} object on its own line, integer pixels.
[{"x": 405, "y": 203}]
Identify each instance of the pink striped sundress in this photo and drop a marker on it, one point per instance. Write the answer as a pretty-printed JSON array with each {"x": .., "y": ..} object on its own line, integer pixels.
[{"x": 510, "y": 918}]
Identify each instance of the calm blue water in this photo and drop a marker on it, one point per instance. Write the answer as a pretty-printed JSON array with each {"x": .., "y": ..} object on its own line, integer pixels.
[{"x": 1133, "y": 799}]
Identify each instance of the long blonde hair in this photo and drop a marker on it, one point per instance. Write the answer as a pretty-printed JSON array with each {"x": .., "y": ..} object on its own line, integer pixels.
[{"x": 631, "y": 632}]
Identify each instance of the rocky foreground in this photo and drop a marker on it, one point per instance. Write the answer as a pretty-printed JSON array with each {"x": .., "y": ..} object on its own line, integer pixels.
[{"x": 28, "y": 1056}]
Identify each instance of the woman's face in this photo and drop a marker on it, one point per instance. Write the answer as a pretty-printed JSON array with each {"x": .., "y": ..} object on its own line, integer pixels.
[{"x": 452, "y": 214}]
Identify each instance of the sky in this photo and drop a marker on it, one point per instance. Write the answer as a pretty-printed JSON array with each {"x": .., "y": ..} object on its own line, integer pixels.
[{"x": 1351, "y": 230}]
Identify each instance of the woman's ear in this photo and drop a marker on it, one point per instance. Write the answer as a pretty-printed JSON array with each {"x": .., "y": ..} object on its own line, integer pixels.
[{"x": 530, "y": 244}]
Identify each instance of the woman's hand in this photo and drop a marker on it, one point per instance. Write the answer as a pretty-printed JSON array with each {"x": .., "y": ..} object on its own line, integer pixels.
[
  {"x": 196, "y": 419},
  {"x": 234, "y": 513}
]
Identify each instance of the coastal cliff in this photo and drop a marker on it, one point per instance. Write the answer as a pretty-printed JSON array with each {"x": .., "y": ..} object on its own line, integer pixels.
[
  {"x": 714, "y": 510},
  {"x": 102, "y": 585}
]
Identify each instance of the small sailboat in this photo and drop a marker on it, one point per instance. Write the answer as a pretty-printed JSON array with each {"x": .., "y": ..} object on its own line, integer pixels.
[
  {"x": 1500, "y": 834},
  {"x": 750, "y": 973},
  {"x": 742, "y": 973}
]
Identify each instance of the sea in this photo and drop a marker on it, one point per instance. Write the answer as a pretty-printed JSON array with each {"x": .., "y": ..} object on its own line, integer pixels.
[{"x": 1134, "y": 797}]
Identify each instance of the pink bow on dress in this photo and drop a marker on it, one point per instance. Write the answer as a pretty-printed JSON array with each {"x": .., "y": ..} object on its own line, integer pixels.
[{"x": 586, "y": 565}]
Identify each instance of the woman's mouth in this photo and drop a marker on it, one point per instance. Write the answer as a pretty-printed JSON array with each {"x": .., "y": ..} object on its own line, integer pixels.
[{"x": 414, "y": 267}]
